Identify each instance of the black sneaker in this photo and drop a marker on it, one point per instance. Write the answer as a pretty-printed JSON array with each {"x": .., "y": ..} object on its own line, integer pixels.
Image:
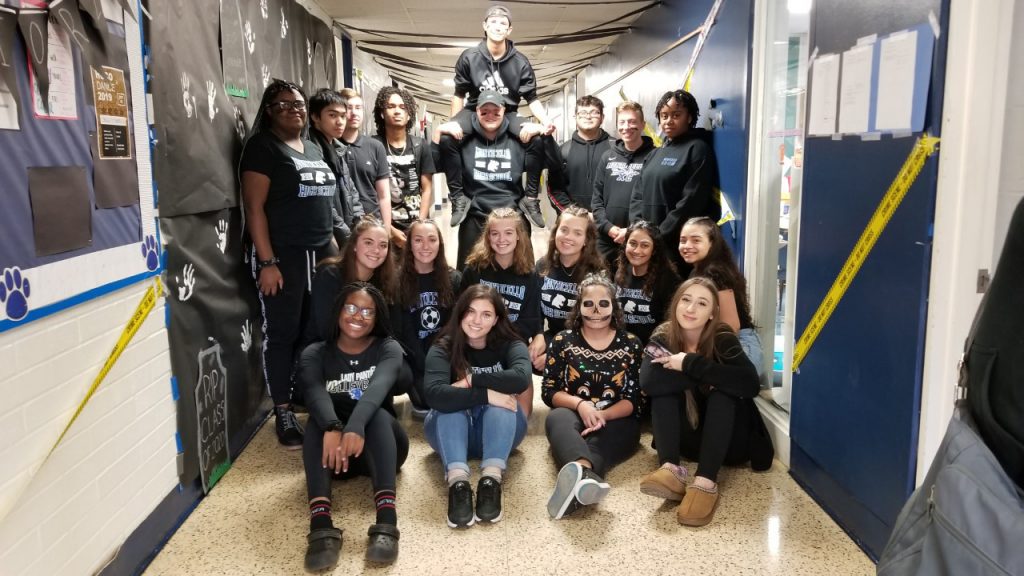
[
  {"x": 460, "y": 208},
  {"x": 460, "y": 505},
  {"x": 563, "y": 498},
  {"x": 591, "y": 489},
  {"x": 488, "y": 500},
  {"x": 289, "y": 433},
  {"x": 531, "y": 208}
]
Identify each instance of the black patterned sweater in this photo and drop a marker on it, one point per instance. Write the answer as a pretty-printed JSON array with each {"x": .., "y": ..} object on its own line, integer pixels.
[{"x": 601, "y": 376}]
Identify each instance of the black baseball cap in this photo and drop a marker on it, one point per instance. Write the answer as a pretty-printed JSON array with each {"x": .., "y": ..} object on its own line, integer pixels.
[
  {"x": 498, "y": 11},
  {"x": 490, "y": 97}
]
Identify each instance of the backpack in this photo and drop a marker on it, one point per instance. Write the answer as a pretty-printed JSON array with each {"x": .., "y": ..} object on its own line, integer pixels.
[{"x": 968, "y": 515}]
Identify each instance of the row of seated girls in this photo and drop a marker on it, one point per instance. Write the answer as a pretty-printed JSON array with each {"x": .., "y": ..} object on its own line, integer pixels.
[
  {"x": 464, "y": 348},
  {"x": 681, "y": 360}
]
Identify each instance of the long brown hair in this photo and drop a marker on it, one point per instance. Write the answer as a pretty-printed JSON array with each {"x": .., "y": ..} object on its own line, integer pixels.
[
  {"x": 659, "y": 264},
  {"x": 590, "y": 258},
  {"x": 482, "y": 255},
  {"x": 671, "y": 332},
  {"x": 720, "y": 266},
  {"x": 453, "y": 339},
  {"x": 409, "y": 288},
  {"x": 383, "y": 277}
]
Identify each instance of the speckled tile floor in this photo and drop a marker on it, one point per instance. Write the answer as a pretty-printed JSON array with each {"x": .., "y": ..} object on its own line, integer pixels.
[{"x": 255, "y": 522}]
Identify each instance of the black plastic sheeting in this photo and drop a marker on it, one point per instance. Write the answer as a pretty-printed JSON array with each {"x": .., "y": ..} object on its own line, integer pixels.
[
  {"x": 214, "y": 316},
  {"x": 211, "y": 302}
]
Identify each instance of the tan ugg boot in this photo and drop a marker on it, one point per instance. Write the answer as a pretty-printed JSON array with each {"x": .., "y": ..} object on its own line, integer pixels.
[
  {"x": 665, "y": 483},
  {"x": 698, "y": 506}
]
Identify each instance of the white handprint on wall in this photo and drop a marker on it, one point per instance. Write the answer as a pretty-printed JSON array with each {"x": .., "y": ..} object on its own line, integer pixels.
[
  {"x": 188, "y": 99},
  {"x": 246, "y": 336},
  {"x": 211, "y": 99},
  {"x": 222, "y": 235},
  {"x": 250, "y": 38},
  {"x": 185, "y": 287}
]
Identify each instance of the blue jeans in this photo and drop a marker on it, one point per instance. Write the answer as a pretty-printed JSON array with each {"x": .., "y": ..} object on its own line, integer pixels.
[
  {"x": 486, "y": 432},
  {"x": 751, "y": 344}
]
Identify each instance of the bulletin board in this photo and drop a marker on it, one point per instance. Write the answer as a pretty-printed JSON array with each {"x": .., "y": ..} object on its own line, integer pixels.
[{"x": 77, "y": 198}]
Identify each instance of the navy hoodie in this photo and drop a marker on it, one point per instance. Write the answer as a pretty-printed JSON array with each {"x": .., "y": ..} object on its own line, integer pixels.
[
  {"x": 492, "y": 170},
  {"x": 511, "y": 76}
]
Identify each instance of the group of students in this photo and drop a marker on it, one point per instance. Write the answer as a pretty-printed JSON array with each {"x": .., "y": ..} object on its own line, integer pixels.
[{"x": 360, "y": 304}]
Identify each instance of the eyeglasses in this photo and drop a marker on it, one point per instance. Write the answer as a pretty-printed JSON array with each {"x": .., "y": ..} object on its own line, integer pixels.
[
  {"x": 600, "y": 303},
  {"x": 282, "y": 105},
  {"x": 366, "y": 313},
  {"x": 586, "y": 114}
]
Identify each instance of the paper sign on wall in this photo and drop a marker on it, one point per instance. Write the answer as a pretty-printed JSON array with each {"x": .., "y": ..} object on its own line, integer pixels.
[
  {"x": 111, "y": 98},
  {"x": 61, "y": 94}
]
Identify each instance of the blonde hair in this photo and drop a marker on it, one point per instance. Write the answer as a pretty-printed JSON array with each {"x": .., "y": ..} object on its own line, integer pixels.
[{"x": 482, "y": 255}]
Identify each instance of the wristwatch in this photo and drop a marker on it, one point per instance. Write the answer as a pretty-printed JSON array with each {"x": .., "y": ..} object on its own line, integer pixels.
[{"x": 336, "y": 426}]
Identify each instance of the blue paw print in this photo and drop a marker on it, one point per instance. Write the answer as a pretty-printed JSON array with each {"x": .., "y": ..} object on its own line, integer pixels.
[
  {"x": 14, "y": 292},
  {"x": 149, "y": 252},
  {"x": 355, "y": 393}
]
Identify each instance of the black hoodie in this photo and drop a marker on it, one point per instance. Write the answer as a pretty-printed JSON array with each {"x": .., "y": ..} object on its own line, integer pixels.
[
  {"x": 579, "y": 164},
  {"x": 512, "y": 75},
  {"x": 618, "y": 169},
  {"x": 492, "y": 170},
  {"x": 677, "y": 183}
]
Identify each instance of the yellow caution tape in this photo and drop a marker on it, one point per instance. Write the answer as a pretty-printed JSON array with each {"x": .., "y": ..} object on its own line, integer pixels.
[
  {"x": 923, "y": 148},
  {"x": 138, "y": 317}
]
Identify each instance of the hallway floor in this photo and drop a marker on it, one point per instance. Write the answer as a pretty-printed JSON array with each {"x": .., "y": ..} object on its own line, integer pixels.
[{"x": 256, "y": 519}]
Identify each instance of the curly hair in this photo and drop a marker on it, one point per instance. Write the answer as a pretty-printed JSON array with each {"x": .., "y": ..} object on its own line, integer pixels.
[
  {"x": 381, "y": 105},
  {"x": 600, "y": 280},
  {"x": 682, "y": 97},
  {"x": 409, "y": 288},
  {"x": 657, "y": 267},
  {"x": 381, "y": 322},
  {"x": 590, "y": 258},
  {"x": 482, "y": 255}
]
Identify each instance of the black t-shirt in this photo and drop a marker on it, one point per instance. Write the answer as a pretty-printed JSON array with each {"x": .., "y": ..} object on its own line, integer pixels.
[
  {"x": 369, "y": 163},
  {"x": 302, "y": 188},
  {"x": 348, "y": 387},
  {"x": 643, "y": 312},
  {"x": 558, "y": 294},
  {"x": 424, "y": 320},
  {"x": 407, "y": 165}
]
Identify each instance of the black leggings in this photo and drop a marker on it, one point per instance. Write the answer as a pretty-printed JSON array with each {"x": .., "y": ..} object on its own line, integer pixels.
[
  {"x": 721, "y": 436},
  {"x": 286, "y": 313},
  {"x": 603, "y": 449},
  {"x": 384, "y": 452}
]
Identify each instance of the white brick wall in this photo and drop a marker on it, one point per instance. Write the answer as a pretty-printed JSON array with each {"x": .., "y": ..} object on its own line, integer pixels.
[{"x": 117, "y": 461}]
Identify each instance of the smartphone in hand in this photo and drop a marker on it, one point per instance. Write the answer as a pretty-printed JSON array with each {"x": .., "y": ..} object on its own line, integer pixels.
[{"x": 654, "y": 350}]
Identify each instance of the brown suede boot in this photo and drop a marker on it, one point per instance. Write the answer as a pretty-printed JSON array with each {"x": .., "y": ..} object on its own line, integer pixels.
[
  {"x": 667, "y": 482},
  {"x": 698, "y": 506}
]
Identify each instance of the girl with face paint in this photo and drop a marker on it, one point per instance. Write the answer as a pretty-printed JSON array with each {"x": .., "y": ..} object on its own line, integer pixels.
[
  {"x": 591, "y": 383},
  {"x": 702, "y": 389},
  {"x": 347, "y": 383}
]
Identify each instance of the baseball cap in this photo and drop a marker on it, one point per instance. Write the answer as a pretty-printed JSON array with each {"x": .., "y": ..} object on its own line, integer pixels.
[
  {"x": 490, "y": 97},
  {"x": 498, "y": 11}
]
